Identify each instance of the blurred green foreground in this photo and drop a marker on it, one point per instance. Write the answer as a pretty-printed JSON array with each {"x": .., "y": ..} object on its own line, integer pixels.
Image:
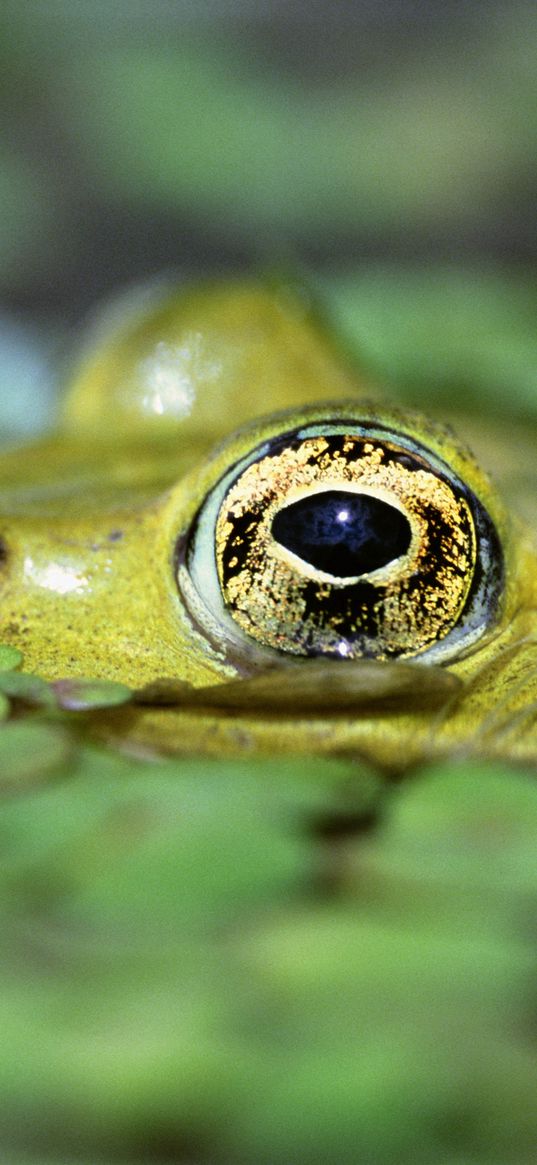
[{"x": 265, "y": 962}]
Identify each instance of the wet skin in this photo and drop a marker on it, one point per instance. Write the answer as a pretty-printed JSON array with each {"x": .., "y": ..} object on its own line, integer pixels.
[{"x": 109, "y": 568}]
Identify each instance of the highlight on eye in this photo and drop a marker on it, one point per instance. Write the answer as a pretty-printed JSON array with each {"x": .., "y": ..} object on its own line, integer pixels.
[{"x": 346, "y": 540}]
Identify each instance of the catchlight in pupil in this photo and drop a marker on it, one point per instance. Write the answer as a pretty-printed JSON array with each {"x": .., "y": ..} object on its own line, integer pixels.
[{"x": 341, "y": 533}]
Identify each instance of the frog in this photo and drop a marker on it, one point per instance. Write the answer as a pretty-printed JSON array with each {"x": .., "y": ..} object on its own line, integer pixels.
[{"x": 232, "y": 520}]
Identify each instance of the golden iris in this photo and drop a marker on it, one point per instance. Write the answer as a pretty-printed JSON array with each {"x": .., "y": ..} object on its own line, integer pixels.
[{"x": 352, "y": 545}]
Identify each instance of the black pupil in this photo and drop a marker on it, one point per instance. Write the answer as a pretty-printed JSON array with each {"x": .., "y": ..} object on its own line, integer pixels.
[{"x": 343, "y": 534}]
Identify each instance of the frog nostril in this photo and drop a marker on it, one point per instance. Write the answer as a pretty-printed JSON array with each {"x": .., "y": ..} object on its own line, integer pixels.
[{"x": 4, "y": 555}]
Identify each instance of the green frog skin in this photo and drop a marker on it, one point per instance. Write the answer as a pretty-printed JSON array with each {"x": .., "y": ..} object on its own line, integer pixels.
[{"x": 134, "y": 547}]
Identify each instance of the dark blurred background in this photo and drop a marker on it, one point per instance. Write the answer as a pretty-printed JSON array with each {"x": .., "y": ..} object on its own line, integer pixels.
[{"x": 389, "y": 145}]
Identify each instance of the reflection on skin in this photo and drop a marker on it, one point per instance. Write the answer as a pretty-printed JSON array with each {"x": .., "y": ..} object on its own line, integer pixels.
[
  {"x": 55, "y": 577},
  {"x": 170, "y": 377}
]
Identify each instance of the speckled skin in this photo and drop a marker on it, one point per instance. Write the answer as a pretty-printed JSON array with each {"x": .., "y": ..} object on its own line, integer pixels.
[{"x": 91, "y": 519}]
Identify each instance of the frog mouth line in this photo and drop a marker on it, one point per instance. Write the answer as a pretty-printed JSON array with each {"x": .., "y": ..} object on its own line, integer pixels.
[{"x": 315, "y": 687}]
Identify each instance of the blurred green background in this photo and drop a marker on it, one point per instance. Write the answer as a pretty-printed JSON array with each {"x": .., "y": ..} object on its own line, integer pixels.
[
  {"x": 270, "y": 963},
  {"x": 388, "y": 150}
]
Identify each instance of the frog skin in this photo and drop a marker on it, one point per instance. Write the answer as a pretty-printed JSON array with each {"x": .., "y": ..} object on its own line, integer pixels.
[{"x": 96, "y": 534}]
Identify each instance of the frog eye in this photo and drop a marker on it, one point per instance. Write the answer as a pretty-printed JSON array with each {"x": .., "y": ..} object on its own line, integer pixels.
[{"x": 345, "y": 540}]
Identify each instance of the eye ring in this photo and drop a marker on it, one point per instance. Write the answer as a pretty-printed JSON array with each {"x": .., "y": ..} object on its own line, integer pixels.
[{"x": 430, "y": 589}]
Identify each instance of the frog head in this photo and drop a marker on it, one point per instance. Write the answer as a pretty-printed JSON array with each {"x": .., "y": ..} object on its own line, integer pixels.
[{"x": 224, "y": 505}]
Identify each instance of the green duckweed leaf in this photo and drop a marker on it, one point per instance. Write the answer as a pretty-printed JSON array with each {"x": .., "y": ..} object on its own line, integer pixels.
[
  {"x": 28, "y": 688},
  {"x": 472, "y": 808},
  {"x": 83, "y": 695},
  {"x": 471, "y": 825},
  {"x": 10, "y": 657}
]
